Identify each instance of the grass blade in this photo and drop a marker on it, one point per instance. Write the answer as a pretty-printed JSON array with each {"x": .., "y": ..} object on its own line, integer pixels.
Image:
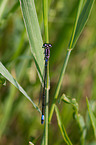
[
  {"x": 34, "y": 34},
  {"x": 2, "y": 7},
  {"x": 59, "y": 84},
  {"x": 10, "y": 98},
  {"x": 12, "y": 10},
  {"x": 64, "y": 66},
  {"x": 62, "y": 129},
  {"x": 80, "y": 21},
  {"x": 9, "y": 77},
  {"x": 79, "y": 118},
  {"x": 92, "y": 117}
]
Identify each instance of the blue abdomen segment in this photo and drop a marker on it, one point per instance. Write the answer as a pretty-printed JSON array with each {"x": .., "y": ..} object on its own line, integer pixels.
[{"x": 42, "y": 119}]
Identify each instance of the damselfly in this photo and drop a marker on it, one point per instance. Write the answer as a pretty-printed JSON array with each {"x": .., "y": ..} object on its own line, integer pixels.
[{"x": 46, "y": 46}]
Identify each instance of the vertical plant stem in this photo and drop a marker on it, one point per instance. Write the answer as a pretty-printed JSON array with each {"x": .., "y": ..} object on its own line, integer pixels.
[
  {"x": 59, "y": 83},
  {"x": 45, "y": 15}
]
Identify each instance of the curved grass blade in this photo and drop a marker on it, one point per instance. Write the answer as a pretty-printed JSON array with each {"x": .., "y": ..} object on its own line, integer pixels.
[
  {"x": 92, "y": 117},
  {"x": 80, "y": 21},
  {"x": 62, "y": 129},
  {"x": 9, "y": 77},
  {"x": 34, "y": 34},
  {"x": 79, "y": 118},
  {"x": 8, "y": 103}
]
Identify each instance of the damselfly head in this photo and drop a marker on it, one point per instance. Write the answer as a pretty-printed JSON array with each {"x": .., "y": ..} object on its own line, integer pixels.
[{"x": 46, "y": 45}]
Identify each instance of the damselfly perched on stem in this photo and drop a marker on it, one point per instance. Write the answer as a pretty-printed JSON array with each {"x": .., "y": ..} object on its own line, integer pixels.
[{"x": 46, "y": 46}]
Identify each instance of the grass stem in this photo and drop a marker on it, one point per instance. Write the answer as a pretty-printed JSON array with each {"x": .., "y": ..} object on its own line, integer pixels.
[
  {"x": 45, "y": 16},
  {"x": 59, "y": 83}
]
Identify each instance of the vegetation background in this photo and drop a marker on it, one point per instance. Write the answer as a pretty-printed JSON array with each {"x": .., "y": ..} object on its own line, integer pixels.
[{"x": 19, "y": 121}]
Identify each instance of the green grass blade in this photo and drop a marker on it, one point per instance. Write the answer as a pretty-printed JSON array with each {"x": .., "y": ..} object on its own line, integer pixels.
[
  {"x": 79, "y": 119},
  {"x": 71, "y": 101},
  {"x": 64, "y": 66},
  {"x": 59, "y": 84},
  {"x": 80, "y": 22},
  {"x": 2, "y": 7},
  {"x": 13, "y": 9},
  {"x": 8, "y": 103},
  {"x": 34, "y": 34},
  {"x": 76, "y": 33},
  {"x": 92, "y": 117},
  {"x": 61, "y": 126},
  {"x": 9, "y": 77}
]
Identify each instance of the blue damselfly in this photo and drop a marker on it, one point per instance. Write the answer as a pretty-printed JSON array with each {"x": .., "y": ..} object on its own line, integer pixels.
[{"x": 46, "y": 46}]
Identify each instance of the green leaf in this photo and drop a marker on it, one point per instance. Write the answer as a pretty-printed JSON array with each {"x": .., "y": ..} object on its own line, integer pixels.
[
  {"x": 92, "y": 117},
  {"x": 80, "y": 22},
  {"x": 2, "y": 7},
  {"x": 61, "y": 126},
  {"x": 9, "y": 77},
  {"x": 34, "y": 34},
  {"x": 71, "y": 101},
  {"x": 12, "y": 10},
  {"x": 8, "y": 14},
  {"x": 82, "y": 127},
  {"x": 79, "y": 119},
  {"x": 78, "y": 27}
]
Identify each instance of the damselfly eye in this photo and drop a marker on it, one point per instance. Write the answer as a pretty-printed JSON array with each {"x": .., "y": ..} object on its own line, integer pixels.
[
  {"x": 50, "y": 45},
  {"x": 44, "y": 45}
]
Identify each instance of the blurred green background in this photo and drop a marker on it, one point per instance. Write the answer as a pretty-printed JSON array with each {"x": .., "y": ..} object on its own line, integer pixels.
[{"x": 19, "y": 121}]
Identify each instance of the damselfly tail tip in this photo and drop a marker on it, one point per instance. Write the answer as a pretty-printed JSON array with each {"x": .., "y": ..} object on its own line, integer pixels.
[{"x": 42, "y": 119}]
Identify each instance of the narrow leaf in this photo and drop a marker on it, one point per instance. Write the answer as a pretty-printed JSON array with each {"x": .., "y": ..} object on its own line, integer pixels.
[
  {"x": 71, "y": 101},
  {"x": 2, "y": 7},
  {"x": 34, "y": 34},
  {"x": 79, "y": 119},
  {"x": 9, "y": 77},
  {"x": 12, "y": 10},
  {"x": 80, "y": 22},
  {"x": 92, "y": 117},
  {"x": 62, "y": 129}
]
